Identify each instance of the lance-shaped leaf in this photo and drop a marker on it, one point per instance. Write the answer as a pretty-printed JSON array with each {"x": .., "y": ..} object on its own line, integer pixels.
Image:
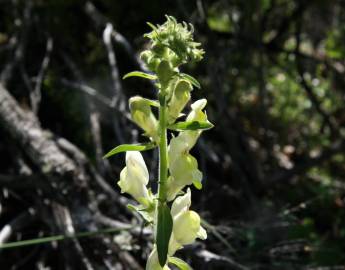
[
  {"x": 190, "y": 79},
  {"x": 163, "y": 232},
  {"x": 191, "y": 125},
  {"x": 130, "y": 147},
  {"x": 181, "y": 264},
  {"x": 140, "y": 74}
]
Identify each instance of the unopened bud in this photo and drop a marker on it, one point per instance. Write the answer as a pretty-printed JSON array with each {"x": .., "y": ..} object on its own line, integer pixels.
[
  {"x": 179, "y": 99},
  {"x": 142, "y": 115}
]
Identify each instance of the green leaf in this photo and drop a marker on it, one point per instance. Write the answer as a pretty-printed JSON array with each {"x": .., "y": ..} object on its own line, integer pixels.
[
  {"x": 130, "y": 147},
  {"x": 140, "y": 74},
  {"x": 163, "y": 232},
  {"x": 191, "y": 125},
  {"x": 49, "y": 239},
  {"x": 181, "y": 264},
  {"x": 190, "y": 79}
]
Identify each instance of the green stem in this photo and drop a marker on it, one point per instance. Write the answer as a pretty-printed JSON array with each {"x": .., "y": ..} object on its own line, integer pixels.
[{"x": 163, "y": 153}]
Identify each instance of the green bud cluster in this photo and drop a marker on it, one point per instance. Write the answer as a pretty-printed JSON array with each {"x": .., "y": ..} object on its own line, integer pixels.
[
  {"x": 172, "y": 42},
  {"x": 171, "y": 45}
]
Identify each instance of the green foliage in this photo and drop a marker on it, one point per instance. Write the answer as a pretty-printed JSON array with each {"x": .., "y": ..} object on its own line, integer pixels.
[
  {"x": 191, "y": 125},
  {"x": 130, "y": 147},
  {"x": 163, "y": 232},
  {"x": 140, "y": 74}
]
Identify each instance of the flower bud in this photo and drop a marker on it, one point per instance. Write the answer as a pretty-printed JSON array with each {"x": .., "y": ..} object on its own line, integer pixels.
[
  {"x": 165, "y": 73},
  {"x": 146, "y": 56},
  {"x": 179, "y": 99},
  {"x": 134, "y": 178},
  {"x": 142, "y": 115}
]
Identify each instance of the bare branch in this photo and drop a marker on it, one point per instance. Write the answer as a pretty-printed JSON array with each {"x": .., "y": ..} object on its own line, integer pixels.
[{"x": 35, "y": 95}]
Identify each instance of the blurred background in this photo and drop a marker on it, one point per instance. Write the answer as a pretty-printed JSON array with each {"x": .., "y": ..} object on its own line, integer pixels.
[{"x": 274, "y": 78}]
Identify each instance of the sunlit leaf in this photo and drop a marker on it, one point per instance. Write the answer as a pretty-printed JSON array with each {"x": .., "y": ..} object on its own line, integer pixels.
[
  {"x": 141, "y": 75},
  {"x": 191, "y": 125},
  {"x": 190, "y": 79},
  {"x": 130, "y": 147},
  {"x": 49, "y": 239}
]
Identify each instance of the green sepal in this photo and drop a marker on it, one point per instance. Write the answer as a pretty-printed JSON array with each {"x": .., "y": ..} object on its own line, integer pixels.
[
  {"x": 141, "y": 75},
  {"x": 190, "y": 79},
  {"x": 163, "y": 232},
  {"x": 152, "y": 26},
  {"x": 191, "y": 125},
  {"x": 130, "y": 147},
  {"x": 181, "y": 264}
]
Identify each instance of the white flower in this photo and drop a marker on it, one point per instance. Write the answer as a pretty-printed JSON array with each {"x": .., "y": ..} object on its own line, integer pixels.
[
  {"x": 134, "y": 178},
  {"x": 186, "y": 224}
]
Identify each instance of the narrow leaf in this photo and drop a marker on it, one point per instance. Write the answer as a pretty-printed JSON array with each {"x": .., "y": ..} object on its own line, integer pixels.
[
  {"x": 140, "y": 74},
  {"x": 49, "y": 239},
  {"x": 191, "y": 79},
  {"x": 130, "y": 147},
  {"x": 181, "y": 264},
  {"x": 163, "y": 232},
  {"x": 191, "y": 125}
]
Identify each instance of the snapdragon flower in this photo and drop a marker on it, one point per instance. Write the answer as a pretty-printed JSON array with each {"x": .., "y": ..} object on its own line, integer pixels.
[
  {"x": 186, "y": 228},
  {"x": 183, "y": 166},
  {"x": 180, "y": 97},
  {"x": 142, "y": 115},
  {"x": 186, "y": 224},
  {"x": 134, "y": 178}
]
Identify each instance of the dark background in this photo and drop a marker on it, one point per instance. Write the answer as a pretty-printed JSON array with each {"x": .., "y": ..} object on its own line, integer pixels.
[{"x": 274, "y": 78}]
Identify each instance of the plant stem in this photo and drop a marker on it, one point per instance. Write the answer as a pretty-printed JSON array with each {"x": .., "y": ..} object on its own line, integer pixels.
[{"x": 163, "y": 153}]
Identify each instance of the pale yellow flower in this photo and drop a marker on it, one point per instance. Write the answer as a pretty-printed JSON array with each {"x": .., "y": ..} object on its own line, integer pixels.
[
  {"x": 142, "y": 115},
  {"x": 179, "y": 99},
  {"x": 186, "y": 224},
  {"x": 183, "y": 172},
  {"x": 134, "y": 178}
]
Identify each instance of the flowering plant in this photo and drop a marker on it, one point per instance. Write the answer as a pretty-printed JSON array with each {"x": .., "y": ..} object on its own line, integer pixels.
[{"x": 168, "y": 211}]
